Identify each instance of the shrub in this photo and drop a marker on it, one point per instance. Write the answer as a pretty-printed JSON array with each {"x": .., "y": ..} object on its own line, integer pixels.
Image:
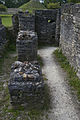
[
  {"x": 3, "y": 8},
  {"x": 53, "y": 5},
  {"x": 31, "y": 6},
  {"x": 74, "y": 1}
]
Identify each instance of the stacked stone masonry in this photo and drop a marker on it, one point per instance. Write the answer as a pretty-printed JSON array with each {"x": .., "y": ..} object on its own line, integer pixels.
[
  {"x": 27, "y": 46},
  {"x": 25, "y": 82},
  {"x": 3, "y": 39},
  {"x": 46, "y": 23},
  {"x": 15, "y": 22},
  {"x": 26, "y": 76},
  {"x": 57, "y": 31},
  {"x": 26, "y": 21},
  {"x": 70, "y": 34}
]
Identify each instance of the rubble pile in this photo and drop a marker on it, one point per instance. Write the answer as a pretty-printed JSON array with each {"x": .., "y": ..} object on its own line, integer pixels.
[
  {"x": 27, "y": 46},
  {"x": 25, "y": 80}
]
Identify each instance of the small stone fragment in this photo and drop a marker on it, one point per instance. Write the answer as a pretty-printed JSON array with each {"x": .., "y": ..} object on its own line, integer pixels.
[
  {"x": 20, "y": 73},
  {"x": 24, "y": 76}
]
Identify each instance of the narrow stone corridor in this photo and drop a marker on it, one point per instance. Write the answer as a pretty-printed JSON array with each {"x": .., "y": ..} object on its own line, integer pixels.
[{"x": 63, "y": 107}]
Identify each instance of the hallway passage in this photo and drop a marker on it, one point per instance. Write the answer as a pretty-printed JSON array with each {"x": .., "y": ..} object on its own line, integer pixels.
[{"x": 63, "y": 107}]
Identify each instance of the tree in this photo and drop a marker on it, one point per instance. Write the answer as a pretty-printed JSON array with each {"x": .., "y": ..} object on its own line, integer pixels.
[
  {"x": 15, "y": 3},
  {"x": 73, "y": 1},
  {"x": 46, "y": 2},
  {"x": 9, "y": 3}
]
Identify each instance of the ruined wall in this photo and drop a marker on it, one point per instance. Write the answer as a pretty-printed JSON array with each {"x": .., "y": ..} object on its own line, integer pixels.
[
  {"x": 26, "y": 21},
  {"x": 27, "y": 46},
  {"x": 46, "y": 25},
  {"x": 15, "y": 22},
  {"x": 3, "y": 40},
  {"x": 57, "y": 31},
  {"x": 70, "y": 34}
]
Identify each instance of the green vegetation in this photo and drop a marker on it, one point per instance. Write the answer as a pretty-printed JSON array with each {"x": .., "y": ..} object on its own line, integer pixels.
[
  {"x": 6, "y": 20},
  {"x": 3, "y": 8},
  {"x": 15, "y": 3},
  {"x": 74, "y": 1},
  {"x": 40, "y": 60},
  {"x": 53, "y": 5},
  {"x": 72, "y": 77},
  {"x": 32, "y": 6}
]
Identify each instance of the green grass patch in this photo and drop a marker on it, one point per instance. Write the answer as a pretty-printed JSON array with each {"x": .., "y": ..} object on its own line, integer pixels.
[
  {"x": 72, "y": 77},
  {"x": 6, "y": 20},
  {"x": 6, "y": 15},
  {"x": 32, "y": 6},
  {"x": 39, "y": 58}
]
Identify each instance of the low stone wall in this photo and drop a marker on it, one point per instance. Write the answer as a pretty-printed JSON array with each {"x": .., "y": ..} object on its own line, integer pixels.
[
  {"x": 3, "y": 39},
  {"x": 27, "y": 46},
  {"x": 46, "y": 25},
  {"x": 15, "y": 22},
  {"x": 26, "y": 21},
  {"x": 70, "y": 34},
  {"x": 25, "y": 82}
]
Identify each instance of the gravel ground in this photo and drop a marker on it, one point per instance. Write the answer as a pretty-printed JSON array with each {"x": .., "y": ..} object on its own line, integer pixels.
[{"x": 62, "y": 102}]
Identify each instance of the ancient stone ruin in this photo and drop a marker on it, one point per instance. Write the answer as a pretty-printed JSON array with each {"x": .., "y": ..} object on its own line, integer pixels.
[
  {"x": 57, "y": 26},
  {"x": 26, "y": 75},
  {"x": 45, "y": 26},
  {"x": 27, "y": 46},
  {"x": 70, "y": 34},
  {"x": 25, "y": 81},
  {"x": 15, "y": 22},
  {"x": 3, "y": 40},
  {"x": 46, "y": 23},
  {"x": 26, "y": 21}
]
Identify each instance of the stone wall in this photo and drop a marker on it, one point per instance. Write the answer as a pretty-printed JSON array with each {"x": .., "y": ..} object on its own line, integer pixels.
[
  {"x": 27, "y": 46},
  {"x": 57, "y": 31},
  {"x": 26, "y": 21},
  {"x": 46, "y": 25},
  {"x": 15, "y": 22},
  {"x": 70, "y": 34},
  {"x": 3, "y": 39},
  {"x": 26, "y": 84}
]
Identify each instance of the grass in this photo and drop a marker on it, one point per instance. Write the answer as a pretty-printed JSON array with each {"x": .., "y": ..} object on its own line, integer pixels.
[
  {"x": 39, "y": 58},
  {"x": 72, "y": 77},
  {"x": 31, "y": 6},
  {"x": 6, "y": 20}
]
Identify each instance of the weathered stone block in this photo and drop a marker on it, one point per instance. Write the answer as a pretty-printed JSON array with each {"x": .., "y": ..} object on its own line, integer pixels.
[
  {"x": 27, "y": 46},
  {"x": 25, "y": 81}
]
